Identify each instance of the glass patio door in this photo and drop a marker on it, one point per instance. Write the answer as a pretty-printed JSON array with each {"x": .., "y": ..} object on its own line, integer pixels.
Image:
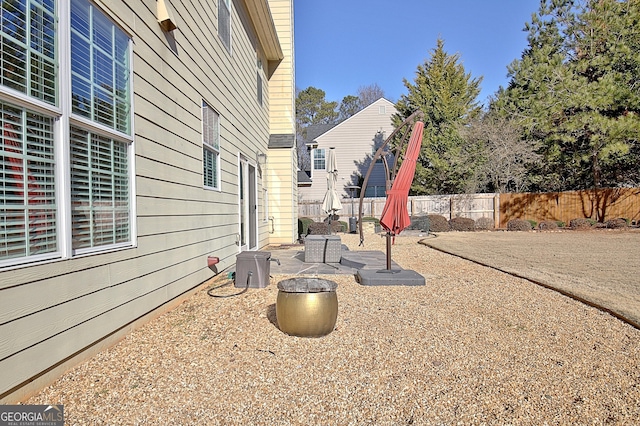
[{"x": 248, "y": 205}]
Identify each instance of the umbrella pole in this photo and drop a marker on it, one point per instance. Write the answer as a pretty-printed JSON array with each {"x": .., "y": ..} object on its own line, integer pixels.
[{"x": 388, "y": 251}]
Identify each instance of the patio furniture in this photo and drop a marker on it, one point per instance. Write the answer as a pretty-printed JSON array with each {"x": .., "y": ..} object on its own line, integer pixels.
[
  {"x": 307, "y": 307},
  {"x": 322, "y": 249}
]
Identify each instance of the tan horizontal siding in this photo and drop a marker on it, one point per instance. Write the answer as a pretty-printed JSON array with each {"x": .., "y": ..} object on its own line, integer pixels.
[
  {"x": 353, "y": 140},
  {"x": 50, "y": 311}
]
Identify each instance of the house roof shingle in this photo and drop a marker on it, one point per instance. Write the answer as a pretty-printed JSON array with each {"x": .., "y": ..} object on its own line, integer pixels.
[
  {"x": 303, "y": 178},
  {"x": 282, "y": 140},
  {"x": 316, "y": 130}
]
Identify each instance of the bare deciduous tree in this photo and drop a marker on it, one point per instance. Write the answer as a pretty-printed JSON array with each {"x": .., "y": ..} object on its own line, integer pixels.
[
  {"x": 506, "y": 156},
  {"x": 369, "y": 94}
]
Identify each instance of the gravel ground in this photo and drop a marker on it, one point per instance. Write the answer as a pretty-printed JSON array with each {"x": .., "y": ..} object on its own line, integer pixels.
[{"x": 473, "y": 346}]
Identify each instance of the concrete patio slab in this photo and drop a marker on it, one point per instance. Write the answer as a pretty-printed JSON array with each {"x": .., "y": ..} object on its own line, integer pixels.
[{"x": 292, "y": 262}]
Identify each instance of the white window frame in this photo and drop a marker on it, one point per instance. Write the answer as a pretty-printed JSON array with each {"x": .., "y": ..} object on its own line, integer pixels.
[
  {"x": 210, "y": 143},
  {"x": 64, "y": 118},
  {"x": 314, "y": 158}
]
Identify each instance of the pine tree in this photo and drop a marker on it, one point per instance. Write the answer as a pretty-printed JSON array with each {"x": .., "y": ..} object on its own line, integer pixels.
[
  {"x": 576, "y": 91},
  {"x": 447, "y": 96}
]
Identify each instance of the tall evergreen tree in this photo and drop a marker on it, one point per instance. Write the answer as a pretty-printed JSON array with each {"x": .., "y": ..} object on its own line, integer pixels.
[
  {"x": 313, "y": 108},
  {"x": 349, "y": 106},
  {"x": 448, "y": 97},
  {"x": 576, "y": 91}
]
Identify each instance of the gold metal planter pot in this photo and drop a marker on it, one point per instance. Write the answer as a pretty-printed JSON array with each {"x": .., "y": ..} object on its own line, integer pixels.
[{"x": 307, "y": 307}]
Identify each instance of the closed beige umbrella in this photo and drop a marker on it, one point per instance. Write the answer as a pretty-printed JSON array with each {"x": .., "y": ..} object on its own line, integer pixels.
[{"x": 331, "y": 203}]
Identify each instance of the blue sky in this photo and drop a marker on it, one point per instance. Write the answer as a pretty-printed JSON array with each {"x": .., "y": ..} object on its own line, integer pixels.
[{"x": 341, "y": 45}]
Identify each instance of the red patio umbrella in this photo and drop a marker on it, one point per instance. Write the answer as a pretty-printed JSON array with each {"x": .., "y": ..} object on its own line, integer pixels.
[{"x": 395, "y": 216}]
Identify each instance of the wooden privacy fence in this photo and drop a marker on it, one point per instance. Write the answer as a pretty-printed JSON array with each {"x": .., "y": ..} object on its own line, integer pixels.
[
  {"x": 465, "y": 205},
  {"x": 600, "y": 205}
]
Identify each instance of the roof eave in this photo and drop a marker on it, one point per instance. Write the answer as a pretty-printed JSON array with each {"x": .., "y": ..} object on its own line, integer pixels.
[{"x": 260, "y": 15}]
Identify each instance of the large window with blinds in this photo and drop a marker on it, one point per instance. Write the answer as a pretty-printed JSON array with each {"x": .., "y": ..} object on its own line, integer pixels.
[
  {"x": 99, "y": 129},
  {"x": 65, "y": 150}
]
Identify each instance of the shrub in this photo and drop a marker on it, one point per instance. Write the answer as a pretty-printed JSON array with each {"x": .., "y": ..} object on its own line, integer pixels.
[
  {"x": 560, "y": 224},
  {"x": 318, "y": 228},
  {"x": 303, "y": 225},
  {"x": 519, "y": 225},
  {"x": 438, "y": 223},
  {"x": 462, "y": 224},
  {"x": 616, "y": 223},
  {"x": 485, "y": 223},
  {"x": 344, "y": 226},
  {"x": 548, "y": 225},
  {"x": 533, "y": 223},
  {"x": 580, "y": 223},
  {"x": 420, "y": 223}
]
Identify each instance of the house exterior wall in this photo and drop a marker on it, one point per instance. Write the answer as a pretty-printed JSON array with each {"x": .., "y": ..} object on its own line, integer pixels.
[
  {"x": 281, "y": 84},
  {"x": 54, "y": 313},
  {"x": 283, "y": 162},
  {"x": 354, "y": 140},
  {"x": 282, "y": 190}
]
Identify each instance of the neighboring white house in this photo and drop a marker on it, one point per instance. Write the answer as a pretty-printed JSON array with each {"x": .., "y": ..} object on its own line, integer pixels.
[
  {"x": 132, "y": 151},
  {"x": 355, "y": 141}
]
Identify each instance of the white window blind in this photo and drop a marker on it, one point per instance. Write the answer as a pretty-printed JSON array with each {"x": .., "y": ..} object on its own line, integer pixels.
[
  {"x": 28, "y": 48},
  {"x": 99, "y": 190},
  {"x": 27, "y": 184},
  {"x": 224, "y": 22},
  {"x": 211, "y": 146}
]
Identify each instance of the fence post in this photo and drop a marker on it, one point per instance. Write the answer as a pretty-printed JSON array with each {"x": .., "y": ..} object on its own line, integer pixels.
[
  {"x": 496, "y": 211},
  {"x": 451, "y": 206}
]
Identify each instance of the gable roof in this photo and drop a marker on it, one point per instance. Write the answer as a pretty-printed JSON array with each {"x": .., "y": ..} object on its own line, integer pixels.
[{"x": 377, "y": 103}]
